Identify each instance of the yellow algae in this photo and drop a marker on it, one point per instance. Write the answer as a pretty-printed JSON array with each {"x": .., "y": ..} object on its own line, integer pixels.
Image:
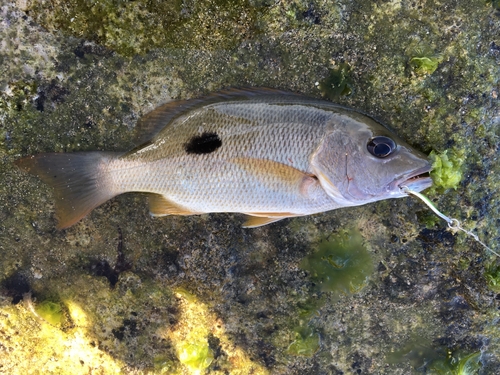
[
  {"x": 190, "y": 339},
  {"x": 98, "y": 334},
  {"x": 35, "y": 347},
  {"x": 195, "y": 354},
  {"x": 78, "y": 316}
]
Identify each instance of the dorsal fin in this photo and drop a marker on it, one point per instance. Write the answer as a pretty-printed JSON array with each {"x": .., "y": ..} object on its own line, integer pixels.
[{"x": 153, "y": 122}]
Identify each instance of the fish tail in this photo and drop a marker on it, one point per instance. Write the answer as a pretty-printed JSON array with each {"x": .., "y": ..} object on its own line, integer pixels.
[{"x": 80, "y": 180}]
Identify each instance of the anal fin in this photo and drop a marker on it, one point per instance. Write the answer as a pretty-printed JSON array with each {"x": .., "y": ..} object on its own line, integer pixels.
[
  {"x": 161, "y": 206},
  {"x": 254, "y": 220}
]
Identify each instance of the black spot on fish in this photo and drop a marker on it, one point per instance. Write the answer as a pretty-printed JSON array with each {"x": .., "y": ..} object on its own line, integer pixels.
[{"x": 203, "y": 144}]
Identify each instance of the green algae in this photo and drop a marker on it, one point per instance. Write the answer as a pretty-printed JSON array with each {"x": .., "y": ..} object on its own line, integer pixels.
[
  {"x": 54, "y": 351},
  {"x": 341, "y": 265},
  {"x": 421, "y": 354},
  {"x": 191, "y": 341},
  {"x": 495, "y": 4},
  {"x": 422, "y": 58},
  {"x": 196, "y": 356},
  {"x": 306, "y": 342},
  {"x": 200, "y": 334},
  {"x": 51, "y": 312},
  {"x": 338, "y": 82},
  {"x": 119, "y": 319},
  {"x": 456, "y": 363},
  {"x": 492, "y": 275},
  {"x": 163, "y": 364},
  {"x": 429, "y": 219},
  {"x": 417, "y": 351},
  {"x": 447, "y": 169},
  {"x": 424, "y": 65},
  {"x": 308, "y": 308},
  {"x": 17, "y": 95}
]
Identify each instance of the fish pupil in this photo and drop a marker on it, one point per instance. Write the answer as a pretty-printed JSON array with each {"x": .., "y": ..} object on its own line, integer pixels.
[
  {"x": 382, "y": 149},
  {"x": 381, "y": 146},
  {"x": 205, "y": 143}
]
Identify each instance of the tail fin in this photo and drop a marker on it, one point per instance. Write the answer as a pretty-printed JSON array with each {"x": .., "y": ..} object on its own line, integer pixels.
[{"x": 79, "y": 181}]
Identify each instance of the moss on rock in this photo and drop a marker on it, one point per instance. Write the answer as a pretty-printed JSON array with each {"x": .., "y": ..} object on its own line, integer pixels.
[
  {"x": 341, "y": 265},
  {"x": 131, "y": 27}
]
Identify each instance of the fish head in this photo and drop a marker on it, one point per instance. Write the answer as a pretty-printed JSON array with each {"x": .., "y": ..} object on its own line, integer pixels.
[{"x": 361, "y": 161}]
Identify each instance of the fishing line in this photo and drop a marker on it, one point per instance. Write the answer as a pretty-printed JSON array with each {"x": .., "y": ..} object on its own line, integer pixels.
[{"x": 454, "y": 224}]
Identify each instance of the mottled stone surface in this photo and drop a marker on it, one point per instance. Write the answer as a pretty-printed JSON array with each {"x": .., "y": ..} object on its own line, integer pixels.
[{"x": 201, "y": 294}]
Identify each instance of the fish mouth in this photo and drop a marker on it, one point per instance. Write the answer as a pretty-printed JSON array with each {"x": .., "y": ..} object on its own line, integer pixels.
[{"x": 418, "y": 180}]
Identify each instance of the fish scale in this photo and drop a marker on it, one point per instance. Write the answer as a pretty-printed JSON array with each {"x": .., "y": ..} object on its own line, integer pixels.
[
  {"x": 266, "y": 155},
  {"x": 215, "y": 183}
]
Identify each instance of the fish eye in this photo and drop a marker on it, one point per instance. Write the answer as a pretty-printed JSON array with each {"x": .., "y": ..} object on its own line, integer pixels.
[{"x": 381, "y": 146}]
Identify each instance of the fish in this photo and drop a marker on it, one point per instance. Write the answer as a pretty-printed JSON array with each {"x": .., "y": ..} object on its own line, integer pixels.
[{"x": 269, "y": 155}]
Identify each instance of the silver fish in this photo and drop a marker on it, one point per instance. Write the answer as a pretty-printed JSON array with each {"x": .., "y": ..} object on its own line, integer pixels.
[{"x": 268, "y": 155}]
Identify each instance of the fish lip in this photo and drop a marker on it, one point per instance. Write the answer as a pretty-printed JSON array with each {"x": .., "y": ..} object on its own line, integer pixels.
[{"x": 417, "y": 180}]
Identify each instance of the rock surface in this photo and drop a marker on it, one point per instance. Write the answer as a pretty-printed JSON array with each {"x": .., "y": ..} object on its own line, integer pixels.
[{"x": 123, "y": 292}]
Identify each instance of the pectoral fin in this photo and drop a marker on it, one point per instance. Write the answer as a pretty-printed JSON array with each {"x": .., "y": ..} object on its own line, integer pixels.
[
  {"x": 161, "y": 206},
  {"x": 277, "y": 175}
]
